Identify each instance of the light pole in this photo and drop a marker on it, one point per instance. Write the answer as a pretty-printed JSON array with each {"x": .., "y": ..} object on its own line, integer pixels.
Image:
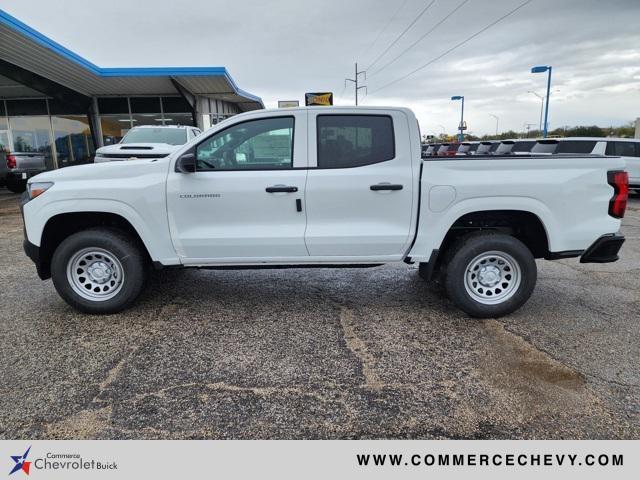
[
  {"x": 542, "y": 69},
  {"x": 541, "y": 108},
  {"x": 497, "y": 120},
  {"x": 461, "y": 134}
]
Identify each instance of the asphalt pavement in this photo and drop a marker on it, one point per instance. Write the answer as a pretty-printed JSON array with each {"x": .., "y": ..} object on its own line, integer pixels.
[{"x": 321, "y": 353}]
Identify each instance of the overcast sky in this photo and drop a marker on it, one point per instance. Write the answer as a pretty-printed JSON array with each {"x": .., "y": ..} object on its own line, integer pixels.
[{"x": 281, "y": 49}]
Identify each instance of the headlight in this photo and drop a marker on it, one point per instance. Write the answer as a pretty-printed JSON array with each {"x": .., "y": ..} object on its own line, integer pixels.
[{"x": 36, "y": 189}]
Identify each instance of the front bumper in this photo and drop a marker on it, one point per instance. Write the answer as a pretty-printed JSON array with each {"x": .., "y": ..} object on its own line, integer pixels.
[
  {"x": 32, "y": 251},
  {"x": 603, "y": 250}
]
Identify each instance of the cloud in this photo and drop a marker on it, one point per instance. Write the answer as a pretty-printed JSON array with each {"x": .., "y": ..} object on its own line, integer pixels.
[{"x": 286, "y": 48}]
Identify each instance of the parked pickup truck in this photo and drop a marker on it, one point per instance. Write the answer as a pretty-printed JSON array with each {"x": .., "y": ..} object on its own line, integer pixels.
[
  {"x": 147, "y": 141},
  {"x": 322, "y": 186},
  {"x": 19, "y": 166}
]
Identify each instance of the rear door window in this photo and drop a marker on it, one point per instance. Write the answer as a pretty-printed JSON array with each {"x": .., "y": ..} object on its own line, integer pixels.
[{"x": 354, "y": 140}]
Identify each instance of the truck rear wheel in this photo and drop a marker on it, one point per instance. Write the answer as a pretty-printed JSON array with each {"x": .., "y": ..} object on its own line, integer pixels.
[
  {"x": 98, "y": 270},
  {"x": 489, "y": 275}
]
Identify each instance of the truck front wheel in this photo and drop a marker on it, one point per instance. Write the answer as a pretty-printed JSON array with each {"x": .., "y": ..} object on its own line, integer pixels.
[
  {"x": 489, "y": 275},
  {"x": 98, "y": 270},
  {"x": 16, "y": 185}
]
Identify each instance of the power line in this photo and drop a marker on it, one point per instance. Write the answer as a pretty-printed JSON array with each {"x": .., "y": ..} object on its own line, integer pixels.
[
  {"x": 401, "y": 35},
  {"x": 460, "y": 5},
  {"x": 458, "y": 45},
  {"x": 343, "y": 90},
  {"x": 384, "y": 29}
]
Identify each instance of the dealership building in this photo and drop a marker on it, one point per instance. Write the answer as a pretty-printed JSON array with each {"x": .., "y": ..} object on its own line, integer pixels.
[{"x": 62, "y": 106}]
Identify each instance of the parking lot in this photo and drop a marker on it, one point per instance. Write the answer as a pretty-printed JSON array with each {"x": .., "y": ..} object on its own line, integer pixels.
[{"x": 321, "y": 353}]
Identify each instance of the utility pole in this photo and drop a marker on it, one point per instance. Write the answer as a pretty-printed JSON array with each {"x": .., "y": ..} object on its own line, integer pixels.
[
  {"x": 355, "y": 81},
  {"x": 527, "y": 127}
]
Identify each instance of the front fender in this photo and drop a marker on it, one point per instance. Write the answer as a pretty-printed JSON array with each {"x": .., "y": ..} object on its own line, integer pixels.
[{"x": 152, "y": 230}]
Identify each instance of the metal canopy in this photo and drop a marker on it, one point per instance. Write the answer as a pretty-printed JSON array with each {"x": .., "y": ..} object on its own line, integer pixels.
[{"x": 25, "y": 47}]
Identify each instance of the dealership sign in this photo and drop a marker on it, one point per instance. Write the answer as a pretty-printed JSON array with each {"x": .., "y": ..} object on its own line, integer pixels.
[
  {"x": 322, "y": 98},
  {"x": 288, "y": 103}
]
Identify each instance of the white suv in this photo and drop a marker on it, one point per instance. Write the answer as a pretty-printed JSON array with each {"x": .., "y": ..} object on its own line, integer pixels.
[
  {"x": 627, "y": 148},
  {"x": 153, "y": 141}
]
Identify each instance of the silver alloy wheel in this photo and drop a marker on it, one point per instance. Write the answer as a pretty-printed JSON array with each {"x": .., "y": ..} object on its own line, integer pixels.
[
  {"x": 492, "y": 277},
  {"x": 95, "y": 274}
]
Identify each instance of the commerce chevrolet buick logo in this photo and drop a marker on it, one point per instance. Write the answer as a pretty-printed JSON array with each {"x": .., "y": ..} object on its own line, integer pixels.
[{"x": 21, "y": 462}]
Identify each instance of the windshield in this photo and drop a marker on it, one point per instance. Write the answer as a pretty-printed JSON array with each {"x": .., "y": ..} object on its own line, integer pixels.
[{"x": 172, "y": 136}]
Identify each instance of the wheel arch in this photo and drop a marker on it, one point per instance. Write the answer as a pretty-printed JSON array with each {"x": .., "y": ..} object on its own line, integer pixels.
[
  {"x": 61, "y": 226},
  {"x": 524, "y": 225}
]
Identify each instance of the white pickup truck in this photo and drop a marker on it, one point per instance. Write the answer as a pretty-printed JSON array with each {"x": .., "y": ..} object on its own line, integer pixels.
[{"x": 322, "y": 186}]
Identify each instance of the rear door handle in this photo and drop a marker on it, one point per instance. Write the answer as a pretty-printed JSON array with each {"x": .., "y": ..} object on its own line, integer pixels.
[
  {"x": 386, "y": 186},
  {"x": 281, "y": 188}
]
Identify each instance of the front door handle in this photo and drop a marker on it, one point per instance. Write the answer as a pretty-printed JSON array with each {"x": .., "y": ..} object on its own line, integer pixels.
[
  {"x": 281, "y": 188},
  {"x": 385, "y": 186}
]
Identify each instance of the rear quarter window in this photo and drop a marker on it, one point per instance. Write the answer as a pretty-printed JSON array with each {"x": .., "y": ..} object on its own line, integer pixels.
[{"x": 354, "y": 140}]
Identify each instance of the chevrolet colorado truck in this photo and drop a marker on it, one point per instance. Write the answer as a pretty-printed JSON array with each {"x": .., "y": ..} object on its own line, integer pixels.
[{"x": 328, "y": 187}]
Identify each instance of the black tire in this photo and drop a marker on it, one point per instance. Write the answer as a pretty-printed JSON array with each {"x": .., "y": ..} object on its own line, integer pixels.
[
  {"x": 472, "y": 247},
  {"x": 126, "y": 250},
  {"x": 16, "y": 185},
  {"x": 423, "y": 272}
]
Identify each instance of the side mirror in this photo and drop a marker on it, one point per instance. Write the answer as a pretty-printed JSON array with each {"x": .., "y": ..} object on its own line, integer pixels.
[{"x": 186, "y": 163}]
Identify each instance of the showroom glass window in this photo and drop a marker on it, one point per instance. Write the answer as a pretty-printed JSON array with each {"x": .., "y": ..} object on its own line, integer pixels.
[
  {"x": 4, "y": 130},
  {"x": 176, "y": 111},
  {"x": 71, "y": 133},
  {"x": 31, "y": 128},
  {"x": 265, "y": 144},
  {"x": 354, "y": 140},
  {"x": 119, "y": 114},
  {"x": 115, "y": 119},
  {"x": 145, "y": 111}
]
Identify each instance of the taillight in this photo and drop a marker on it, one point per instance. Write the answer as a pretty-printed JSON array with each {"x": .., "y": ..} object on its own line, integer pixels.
[
  {"x": 620, "y": 182},
  {"x": 11, "y": 161}
]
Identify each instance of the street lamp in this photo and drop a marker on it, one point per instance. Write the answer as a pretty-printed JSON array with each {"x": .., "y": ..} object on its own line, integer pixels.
[
  {"x": 461, "y": 134},
  {"x": 541, "y": 107},
  {"x": 497, "y": 120},
  {"x": 542, "y": 99},
  {"x": 542, "y": 69}
]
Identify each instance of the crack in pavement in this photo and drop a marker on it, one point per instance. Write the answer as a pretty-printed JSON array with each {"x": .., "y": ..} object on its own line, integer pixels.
[
  {"x": 112, "y": 374},
  {"x": 357, "y": 346}
]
